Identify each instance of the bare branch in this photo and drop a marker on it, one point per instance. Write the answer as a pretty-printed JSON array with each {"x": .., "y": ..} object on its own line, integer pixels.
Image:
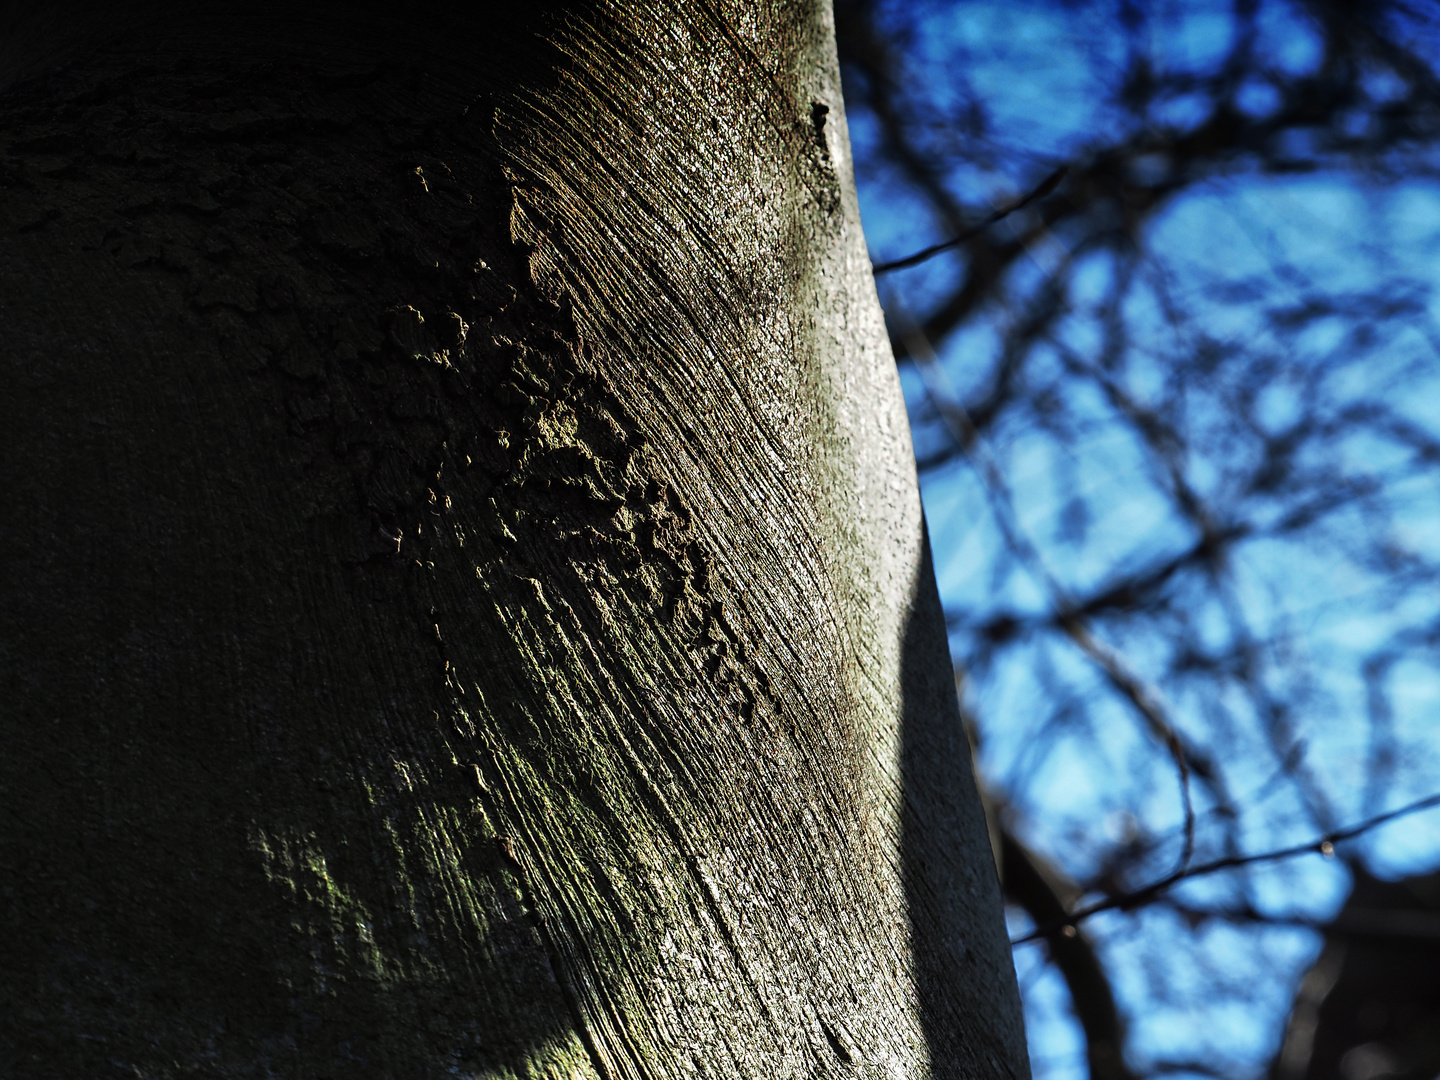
[
  {"x": 1324, "y": 845},
  {"x": 1045, "y": 187},
  {"x": 1027, "y": 881}
]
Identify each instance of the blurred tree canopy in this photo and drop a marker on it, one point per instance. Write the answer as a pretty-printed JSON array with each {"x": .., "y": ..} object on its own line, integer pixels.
[{"x": 1177, "y": 416}]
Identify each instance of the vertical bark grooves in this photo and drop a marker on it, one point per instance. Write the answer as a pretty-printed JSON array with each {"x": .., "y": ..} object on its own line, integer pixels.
[{"x": 472, "y": 603}]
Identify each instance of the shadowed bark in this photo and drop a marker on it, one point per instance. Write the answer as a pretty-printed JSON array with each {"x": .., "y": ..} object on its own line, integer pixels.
[{"x": 467, "y": 604}]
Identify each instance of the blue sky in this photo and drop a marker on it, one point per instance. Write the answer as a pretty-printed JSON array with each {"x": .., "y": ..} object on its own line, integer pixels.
[{"x": 1277, "y": 275}]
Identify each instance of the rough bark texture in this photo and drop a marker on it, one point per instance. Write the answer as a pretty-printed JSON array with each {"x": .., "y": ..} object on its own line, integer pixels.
[{"x": 466, "y": 599}]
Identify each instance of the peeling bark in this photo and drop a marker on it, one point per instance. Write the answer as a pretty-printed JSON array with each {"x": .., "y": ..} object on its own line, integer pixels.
[{"x": 468, "y": 604}]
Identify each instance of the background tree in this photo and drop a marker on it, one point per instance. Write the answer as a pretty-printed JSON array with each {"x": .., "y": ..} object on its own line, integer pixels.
[
  {"x": 1368, "y": 1006},
  {"x": 1177, "y": 427},
  {"x": 466, "y": 602}
]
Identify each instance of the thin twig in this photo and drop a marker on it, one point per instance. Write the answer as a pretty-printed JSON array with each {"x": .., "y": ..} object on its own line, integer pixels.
[
  {"x": 1048, "y": 185},
  {"x": 1147, "y": 704},
  {"x": 1324, "y": 845}
]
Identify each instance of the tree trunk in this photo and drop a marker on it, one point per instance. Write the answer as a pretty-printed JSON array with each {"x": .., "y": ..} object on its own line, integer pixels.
[{"x": 467, "y": 603}]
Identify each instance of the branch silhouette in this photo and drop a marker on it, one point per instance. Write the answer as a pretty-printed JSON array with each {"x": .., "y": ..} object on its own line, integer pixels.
[
  {"x": 1048, "y": 185},
  {"x": 1324, "y": 845}
]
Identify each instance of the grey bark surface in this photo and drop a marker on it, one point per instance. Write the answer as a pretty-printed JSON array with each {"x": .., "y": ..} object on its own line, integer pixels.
[{"x": 467, "y": 608}]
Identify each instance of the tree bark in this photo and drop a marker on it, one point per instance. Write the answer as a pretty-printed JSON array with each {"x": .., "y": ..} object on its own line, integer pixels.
[{"x": 467, "y": 602}]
